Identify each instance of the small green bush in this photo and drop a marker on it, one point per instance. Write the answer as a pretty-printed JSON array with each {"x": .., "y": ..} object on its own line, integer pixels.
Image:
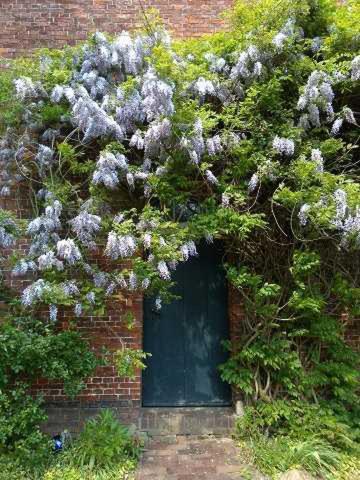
[
  {"x": 297, "y": 420},
  {"x": 31, "y": 349},
  {"x": 103, "y": 443},
  {"x": 281, "y": 454},
  {"x": 292, "y": 434},
  {"x": 105, "y": 450}
]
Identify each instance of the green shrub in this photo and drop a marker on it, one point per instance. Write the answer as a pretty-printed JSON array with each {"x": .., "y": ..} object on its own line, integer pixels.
[
  {"x": 103, "y": 443},
  {"x": 63, "y": 473},
  {"x": 297, "y": 420},
  {"x": 31, "y": 349},
  {"x": 11, "y": 470},
  {"x": 290, "y": 434},
  {"x": 281, "y": 454}
]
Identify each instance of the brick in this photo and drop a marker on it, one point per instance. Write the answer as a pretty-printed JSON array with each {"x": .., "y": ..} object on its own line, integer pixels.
[{"x": 27, "y": 25}]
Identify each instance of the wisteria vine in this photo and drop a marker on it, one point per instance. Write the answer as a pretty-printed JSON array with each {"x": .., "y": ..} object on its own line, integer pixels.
[{"x": 105, "y": 161}]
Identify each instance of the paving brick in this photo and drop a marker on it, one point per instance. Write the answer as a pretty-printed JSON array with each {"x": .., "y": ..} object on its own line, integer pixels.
[{"x": 191, "y": 458}]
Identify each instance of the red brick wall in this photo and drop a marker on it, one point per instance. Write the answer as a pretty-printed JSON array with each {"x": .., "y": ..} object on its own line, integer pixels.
[
  {"x": 28, "y": 24},
  {"x": 111, "y": 332}
]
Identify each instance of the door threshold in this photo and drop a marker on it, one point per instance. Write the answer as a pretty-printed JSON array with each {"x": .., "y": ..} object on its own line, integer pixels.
[
  {"x": 165, "y": 421},
  {"x": 224, "y": 405}
]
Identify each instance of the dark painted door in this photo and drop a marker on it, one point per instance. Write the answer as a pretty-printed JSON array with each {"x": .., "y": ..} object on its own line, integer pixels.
[{"x": 185, "y": 337}]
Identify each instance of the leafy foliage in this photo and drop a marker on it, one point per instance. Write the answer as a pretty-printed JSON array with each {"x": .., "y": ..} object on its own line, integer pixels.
[
  {"x": 282, "y": 454},
  {"x": 290, "y": 434},
  {"x": 105, "y": 450},
  {"x": 104, "y": 442},
  {"x": 30, "y": 350},
  {"x": 129, "y": 361}
]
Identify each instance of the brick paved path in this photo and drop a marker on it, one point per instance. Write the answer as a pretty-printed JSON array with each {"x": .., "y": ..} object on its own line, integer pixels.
[{"x": 190, "y": 458}]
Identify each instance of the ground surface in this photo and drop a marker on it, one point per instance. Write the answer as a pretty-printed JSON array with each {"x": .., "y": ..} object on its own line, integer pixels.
[{"x": 190, "y": 458}]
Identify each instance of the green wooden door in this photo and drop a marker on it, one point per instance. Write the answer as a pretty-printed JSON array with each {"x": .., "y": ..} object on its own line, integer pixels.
[{"x": 185, "y": 337}]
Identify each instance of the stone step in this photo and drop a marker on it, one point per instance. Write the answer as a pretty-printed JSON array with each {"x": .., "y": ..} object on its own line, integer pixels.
[{"x": 218, "y": 421}]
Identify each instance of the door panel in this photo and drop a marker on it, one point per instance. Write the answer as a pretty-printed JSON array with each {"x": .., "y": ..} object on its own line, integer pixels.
[
  {"x": 163, "y": 379},
  {"x": 185, "y": 337}
]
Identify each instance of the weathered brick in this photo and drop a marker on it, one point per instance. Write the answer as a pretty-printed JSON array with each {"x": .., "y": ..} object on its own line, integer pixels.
[{"x": 25, "y": 25}]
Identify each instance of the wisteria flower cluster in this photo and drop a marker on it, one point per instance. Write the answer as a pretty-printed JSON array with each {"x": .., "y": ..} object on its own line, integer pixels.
[
  {"x": 284, "y": 146},
  {"x": 345, "y": 221}
]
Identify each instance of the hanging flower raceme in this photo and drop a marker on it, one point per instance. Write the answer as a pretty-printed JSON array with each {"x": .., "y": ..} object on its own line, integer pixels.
[
  {"x": 284, "y": 146},
  {"x": 188, "y": 249},
  {"x": 53, "y": 313},
  {"x": 211, "y": 177},
  {"x": 23, "y": 267},
  {"x": 90, "y": 297},
  {"x": 316, "y": 99},
  {"x": 43, "y": 229},
  {"x": 203, "y": 87},
  {"x": 68, "y": 251},
  {"x": 133, "y": 281},
  {"x": 335, "y": 129},
  {"x": 86, "y": 226},
  {"x": 48, "y": 260},
  {"x": 147, "y": 240},
  {"x": 26, "y": 89},
  {"x": 34, "y": 292},
  {"x": 284, "y": 35},
  {"x": 355, "y": 68},
  {"x": 107, "y": 167},
  {"x": 8, "y": 231},
  {"x": 304, "y": 214},
  {"x": 157, "y": 96},
  {"x": 93, "y": 120},
  {"x": 253, "y": 182},
  {"x": 316, "y": 157},
  {"x": 248, "y": 65},
  {"x": 44, "y": 157},
  {"x": 195, "y": 144},
  {"x": 155, "y": 136},
  {"x": 120, "y": 246},
  {"x": 42, "y": 290},
  {"x": 163, "y": 270},
  {"x": 213, "y": 145},
  {"x": 217, "y": 64}
]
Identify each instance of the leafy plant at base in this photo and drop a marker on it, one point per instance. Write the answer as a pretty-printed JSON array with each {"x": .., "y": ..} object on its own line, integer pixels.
[
  {"x": 30, "y": 349},
  {"x": 103, "y": 443},
  {"x": 282, "y": 454}
]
